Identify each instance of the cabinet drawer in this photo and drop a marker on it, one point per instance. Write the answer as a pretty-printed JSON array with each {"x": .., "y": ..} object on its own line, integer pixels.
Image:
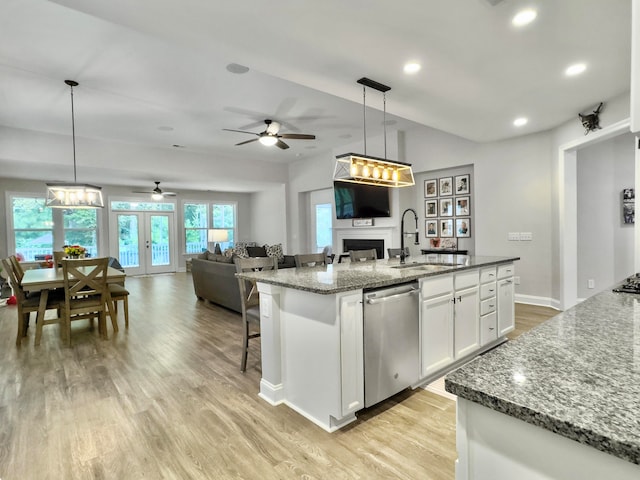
[
  {"x": 487, "y": 306},
  {"x": 505, "y": 271},
  {"x": 436, "y": 286},
  {"x": 488, "y": 328},
  {"x": 487, "y": 290},
  {"x": 488, "y": 275},
  {"x": 466, "y": 279}
]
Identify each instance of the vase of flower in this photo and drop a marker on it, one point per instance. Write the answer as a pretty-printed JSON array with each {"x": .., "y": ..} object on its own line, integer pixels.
[{"x": 74, "y": 251}]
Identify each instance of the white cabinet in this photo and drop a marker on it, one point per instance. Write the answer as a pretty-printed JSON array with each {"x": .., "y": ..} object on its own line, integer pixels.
[
  {"x": 351, "y": 353},
  {"x": 466, "y": 321},
  {"x": 488, "y": 325},
  {"x": 505, "y": 298},
  {"x": 436, "y": 324}
]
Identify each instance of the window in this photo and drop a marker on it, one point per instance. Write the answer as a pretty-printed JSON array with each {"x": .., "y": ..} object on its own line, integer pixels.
[
  {"x": 37, "y": 230},
  {"x": 32, "y": 228},
  {"x": 224, "y": 216},
  {"x": 198, "y": 221},
  {"x": 81, "y": 228},
  {"x": 195, "y": 227},
  {"x": 324, "y": 232}
]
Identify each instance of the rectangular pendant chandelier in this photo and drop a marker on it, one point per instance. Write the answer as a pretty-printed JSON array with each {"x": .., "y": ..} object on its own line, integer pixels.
[
  {"x": 357, "y": 168},
  {"x": 74, "y": 195}
]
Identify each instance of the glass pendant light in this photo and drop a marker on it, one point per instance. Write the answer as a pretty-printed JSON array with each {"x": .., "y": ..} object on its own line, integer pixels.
[
  {"x": 357, "y": 168},
  {"x": 73, "y": 195}
]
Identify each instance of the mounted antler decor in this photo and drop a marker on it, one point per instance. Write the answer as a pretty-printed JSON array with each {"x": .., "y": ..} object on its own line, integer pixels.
[{"x": 591, "y": 121}]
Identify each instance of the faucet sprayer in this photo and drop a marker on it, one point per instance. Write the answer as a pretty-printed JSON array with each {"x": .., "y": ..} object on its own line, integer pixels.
[{"x": 402, "y": 233}]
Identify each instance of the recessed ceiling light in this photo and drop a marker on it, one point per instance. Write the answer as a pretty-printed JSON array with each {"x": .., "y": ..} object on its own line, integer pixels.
[
  {"x": 237, "y": 68},
  {"x": 524, "y": 17},
  {"x": 412, "y": 67},
  {"x": 575, "y": 69},
  {"x": 519, "y": 122},
  {"x": 175, "y": 145}
]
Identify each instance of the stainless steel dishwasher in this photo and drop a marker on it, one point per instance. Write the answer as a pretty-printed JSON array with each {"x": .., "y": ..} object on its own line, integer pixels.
[{"x": 391, "y": 349}]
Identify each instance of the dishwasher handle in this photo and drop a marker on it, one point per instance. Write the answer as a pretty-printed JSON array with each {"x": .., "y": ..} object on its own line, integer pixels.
[{"x": 374, "y": 301}]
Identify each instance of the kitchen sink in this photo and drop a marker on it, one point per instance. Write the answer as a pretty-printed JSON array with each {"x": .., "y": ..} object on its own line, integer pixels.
[{"x": 431, "y": 266}]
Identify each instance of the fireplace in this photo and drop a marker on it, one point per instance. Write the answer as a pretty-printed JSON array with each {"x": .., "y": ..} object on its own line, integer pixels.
[{"x": 363, "y": 244}]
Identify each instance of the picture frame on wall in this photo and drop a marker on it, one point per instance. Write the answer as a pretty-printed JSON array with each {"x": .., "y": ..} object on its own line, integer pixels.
[
  {"x": 431, "y": 228},
  {"x": 430, "y": 208},
  {"x": 628, "y": 206},
  {"x": 446, "y": 227},
  {"x": 446, "y": 207},
  {"x": 462, "y": 184},
  {"x": 430, "y": 188},
  {"x": 463, "y": 227},
  {"x": 446, "y": 186},
  {"x": 462, "y": 206}
]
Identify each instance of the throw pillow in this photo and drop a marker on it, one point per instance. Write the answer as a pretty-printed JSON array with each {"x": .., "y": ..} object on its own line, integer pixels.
[
  {"x": 204, "y": 255},
  {"x": 275, "y": 251},
  {"x": 224, "y": 259},
  {"x": 211, "y": 256},
  {"x": 257, "y": 251},
  {"x": 240, "y": 250},
  {"x": 228, "y": 253}
]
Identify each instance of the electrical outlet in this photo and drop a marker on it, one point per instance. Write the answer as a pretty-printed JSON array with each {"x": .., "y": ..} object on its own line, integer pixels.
[
  {"x": 516, "y": 280},
  {"x": 591, "y": 283},
  {"x": 513, "y": 236},
  {"x": 526, "y": 236}
]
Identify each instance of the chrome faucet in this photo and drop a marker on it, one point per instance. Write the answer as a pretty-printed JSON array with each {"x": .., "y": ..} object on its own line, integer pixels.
[{"x": 402, "y": 233}]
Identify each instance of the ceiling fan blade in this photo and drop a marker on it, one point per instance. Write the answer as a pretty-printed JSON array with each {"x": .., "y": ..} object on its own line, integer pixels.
[
  {"x": 247, "y": 141},
  {"x": 240, "y": 131},
  {"x": 298, "y": 136},
  {"x": 139, "y": 191},
  {"x": 281, "y": 144},
  {"x": 169, "y": 194}
]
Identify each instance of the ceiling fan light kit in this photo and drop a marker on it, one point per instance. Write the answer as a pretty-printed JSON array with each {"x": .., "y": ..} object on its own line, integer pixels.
[
  {"x": 73, "y": 195},
  {"x": 359, "y": 168},
  {"x": 271, "y": 135}
]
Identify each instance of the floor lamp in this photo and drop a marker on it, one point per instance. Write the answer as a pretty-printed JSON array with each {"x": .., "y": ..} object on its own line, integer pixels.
[{"x": 216, "y": 236}]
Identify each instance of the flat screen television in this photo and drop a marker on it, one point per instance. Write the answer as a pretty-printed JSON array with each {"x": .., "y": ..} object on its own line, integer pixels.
[{"x": 354, "y": 200}]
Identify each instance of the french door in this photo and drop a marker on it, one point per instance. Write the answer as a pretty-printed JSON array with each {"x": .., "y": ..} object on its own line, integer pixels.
[{"x": 144, "y": 242}]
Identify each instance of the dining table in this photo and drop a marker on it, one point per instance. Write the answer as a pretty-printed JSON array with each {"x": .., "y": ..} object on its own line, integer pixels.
[{"x": 45, "y": 280}]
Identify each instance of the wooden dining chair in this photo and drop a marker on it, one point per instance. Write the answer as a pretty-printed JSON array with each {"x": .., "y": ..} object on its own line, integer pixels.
[
  {"x": 58, "y": 256},
  {"x": 17, "y": 267},
  {"x": 29, "y": 302},
  {"x": 119, "y": 293},
  {"x": 249, "y": 298},
  {"x": 86, "y": 293},
  {"x": 363, "y": 255},
  {"x": 310, "y": 260}
]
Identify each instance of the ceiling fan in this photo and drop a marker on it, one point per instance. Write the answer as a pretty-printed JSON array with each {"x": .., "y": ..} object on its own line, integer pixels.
[
  {"x": 270, "y": 136},
  {"x": 157, "y": 193}
]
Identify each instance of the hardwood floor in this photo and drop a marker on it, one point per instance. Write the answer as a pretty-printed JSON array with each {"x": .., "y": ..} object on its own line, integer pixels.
[{"x": 166, "y": 400}]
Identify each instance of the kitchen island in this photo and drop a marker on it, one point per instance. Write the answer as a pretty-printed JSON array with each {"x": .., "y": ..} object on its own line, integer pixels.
[
  {"x": 561, "y": 401},
  {"x": 312, "y": 325}
]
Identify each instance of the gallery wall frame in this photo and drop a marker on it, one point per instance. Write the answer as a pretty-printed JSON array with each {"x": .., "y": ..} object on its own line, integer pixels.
[
  {"x": 431, "y": 228},
  {"x": 463, "y": 227},
  {"x": 445, "y": 186},
  {"x": 431, "y": 188},
  {"x": 462, "y": 185},
  {"x": 430, "y": 208}
]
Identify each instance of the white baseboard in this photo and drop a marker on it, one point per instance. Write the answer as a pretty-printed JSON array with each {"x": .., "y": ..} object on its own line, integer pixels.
[{"x": 535, "y": 300}]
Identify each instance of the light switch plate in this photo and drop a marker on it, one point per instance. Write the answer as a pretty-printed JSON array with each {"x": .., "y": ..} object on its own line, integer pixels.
[
  {"x": 526, "y": 236},
  {"x": 513, "y": 236}
]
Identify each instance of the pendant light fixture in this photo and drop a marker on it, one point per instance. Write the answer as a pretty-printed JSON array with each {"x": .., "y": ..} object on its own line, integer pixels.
[
  {"x": 73, "y": 195},
  {"x": 358, "y": 168}
]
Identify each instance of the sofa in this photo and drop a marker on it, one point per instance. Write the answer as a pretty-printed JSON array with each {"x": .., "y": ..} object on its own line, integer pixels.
[{"x": 214, "y": 274}]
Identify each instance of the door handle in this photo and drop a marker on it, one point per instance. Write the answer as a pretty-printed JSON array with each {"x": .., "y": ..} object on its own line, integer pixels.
[{"x": 373, "y": 301}]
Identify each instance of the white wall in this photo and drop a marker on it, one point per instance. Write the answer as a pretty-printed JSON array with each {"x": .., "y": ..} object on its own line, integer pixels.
[
  {"x": 605, "y": 243},
  {"x": 269, "y": 217}
]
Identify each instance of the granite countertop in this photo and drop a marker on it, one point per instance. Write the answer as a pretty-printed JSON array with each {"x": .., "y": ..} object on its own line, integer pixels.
[
  {"x": 578, "y": 375},
  {"x": 342, "y": 277}
]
